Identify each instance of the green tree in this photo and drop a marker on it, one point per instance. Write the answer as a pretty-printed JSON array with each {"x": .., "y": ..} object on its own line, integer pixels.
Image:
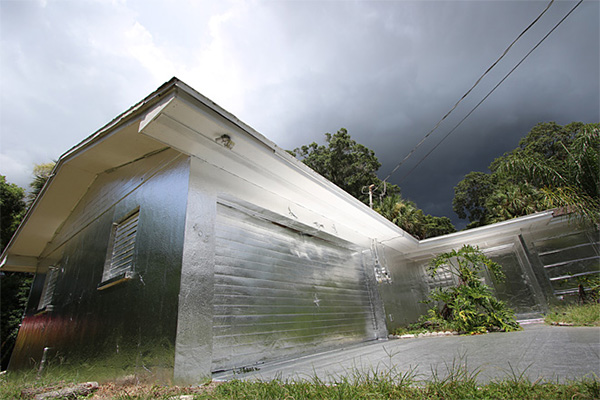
[
  {"x": 403, "y": 213},
  {"x": 553, "y": 166},
  {"x": 14, "y": 287},
  {"x": 348, "y": 164},
  {"x": 549, "y": 139},
  {"x": 41, "y": 173},
  {"x": 413, "y": 220},
  {"x": 469, "y": 306},
  {"x": 437, "y": 226},
  {"x": 569, "y": 179},
  {"x": 470, "y": 196},
  {"x": 353, "y": 167},
  {"x": 510, "y": 200},
  {"x": 12, "y": 209}
]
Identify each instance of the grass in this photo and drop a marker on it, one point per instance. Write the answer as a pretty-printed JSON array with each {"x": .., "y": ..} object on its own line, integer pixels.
[
  {"x": 377, "y": 389},
  {"x": 577, "y": 315},
  {"x": 458, "y": 382}
]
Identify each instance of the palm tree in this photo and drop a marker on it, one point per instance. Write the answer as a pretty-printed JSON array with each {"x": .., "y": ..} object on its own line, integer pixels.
[
  {"x": 514, "y": 200},
  {"x": 405, "y": 214},
  {"x": 41, "y": 173},
  {"x": 572, "y": 184}
]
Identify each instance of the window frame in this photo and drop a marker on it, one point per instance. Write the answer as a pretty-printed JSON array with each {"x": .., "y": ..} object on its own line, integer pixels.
[{"x": 444, "y": 278}]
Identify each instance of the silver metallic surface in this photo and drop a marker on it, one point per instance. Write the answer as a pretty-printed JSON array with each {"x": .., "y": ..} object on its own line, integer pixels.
[
  {"x": 193, "y": 348},
  {"x": 279, "y": 291},
  {"x": 402, "y": 298},
  {"x": 542, "y": 268},
  {"x": 131, "y": 325},
  {"x": 517, "y": 289},
  {"x": 568, "y": 258}
]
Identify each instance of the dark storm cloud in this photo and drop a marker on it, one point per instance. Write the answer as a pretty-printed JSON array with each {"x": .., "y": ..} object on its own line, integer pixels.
[{"x": 399, "y": 67}]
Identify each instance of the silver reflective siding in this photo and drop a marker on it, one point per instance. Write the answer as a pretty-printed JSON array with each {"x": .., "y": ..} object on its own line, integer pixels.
[
  {"x": 568, "y": 258},
  {"x": 279, "y": 291},
  {"x": 130, "y": 326},
  {"x": 212, "y": 286},
  {"x": 543, "y": 267}
]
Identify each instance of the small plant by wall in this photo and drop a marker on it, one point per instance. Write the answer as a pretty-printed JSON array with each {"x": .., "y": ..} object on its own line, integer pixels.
[{"x": 470, "y": 305}]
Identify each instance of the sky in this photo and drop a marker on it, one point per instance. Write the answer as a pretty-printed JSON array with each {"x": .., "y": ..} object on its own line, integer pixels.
[{"x": 387, "y": 71}]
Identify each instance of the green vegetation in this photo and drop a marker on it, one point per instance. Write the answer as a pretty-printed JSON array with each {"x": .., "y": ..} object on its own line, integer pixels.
[
  {"x": 456, "y": 383},
  {"x": 554, "y": 167},
  {"x": 353, "y": 167},
  {"x": 577, "y": 315},
  {"x": 413, "y": 220},
  {"x": 384, "y": 387},
  {"x": 13, "y": 208},
  {"x": 470, "y": 305},
  {"x": 41, "y": 173},
  {"x": 346, "y": 163},
  {"x": 14, "y": 286}
]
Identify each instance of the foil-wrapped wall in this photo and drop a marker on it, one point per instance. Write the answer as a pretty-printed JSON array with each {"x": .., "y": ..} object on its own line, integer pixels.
[
  {"x": 131, "y": 325},
  {"x": 542, "y": 266}
]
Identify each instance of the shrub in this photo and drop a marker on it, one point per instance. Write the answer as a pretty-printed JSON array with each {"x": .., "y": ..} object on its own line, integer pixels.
[{"x": 470, "y": 306}]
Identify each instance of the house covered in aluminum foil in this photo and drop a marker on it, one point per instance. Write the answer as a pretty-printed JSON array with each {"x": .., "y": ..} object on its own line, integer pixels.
[{"x": 177, "y": 241}]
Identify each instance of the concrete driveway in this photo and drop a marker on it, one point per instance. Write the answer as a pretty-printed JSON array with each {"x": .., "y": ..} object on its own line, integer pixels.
[{"x": 538, "y": 352}]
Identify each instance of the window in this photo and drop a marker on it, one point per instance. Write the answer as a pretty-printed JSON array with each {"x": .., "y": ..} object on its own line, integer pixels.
[
  {"x": 443, "y": 278},
  {"x": 48, "y": 291},
  {"x": 119, "y": 260}
]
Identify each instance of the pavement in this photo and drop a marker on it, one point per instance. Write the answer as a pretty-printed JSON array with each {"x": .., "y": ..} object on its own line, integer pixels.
[{"x": 538, "y": 352}]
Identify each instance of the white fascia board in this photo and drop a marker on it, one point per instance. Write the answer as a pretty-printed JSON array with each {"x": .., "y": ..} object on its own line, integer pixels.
[
  {"x": 71, "y": 178},
  {"x": 123, "y": 118},
  {"x": 229, "y": 124},
  {"x": 53, "y": 205},
  {"x": 14, "y": 263},
  {"x": 55, "y": 201},
  {"x": 224, "y": 114},
  {"x": 485, "y": 236}
]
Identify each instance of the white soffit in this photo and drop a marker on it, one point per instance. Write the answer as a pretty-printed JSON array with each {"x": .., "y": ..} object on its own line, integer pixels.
[{"x": 71, "y": 179}]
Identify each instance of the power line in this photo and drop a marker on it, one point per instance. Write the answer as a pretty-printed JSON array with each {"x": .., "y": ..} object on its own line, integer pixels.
[
  {"x": 410, "y": 153},
  {"x": 489, "y": 93}
]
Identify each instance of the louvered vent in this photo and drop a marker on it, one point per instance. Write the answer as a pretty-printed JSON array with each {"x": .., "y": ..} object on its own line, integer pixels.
[
  {"x": 48, "y": 291},
  {"x": 122, "y": 249}
]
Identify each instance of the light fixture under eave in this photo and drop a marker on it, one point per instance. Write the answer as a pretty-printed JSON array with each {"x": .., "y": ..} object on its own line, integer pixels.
[{"x": 225, "y": 141}]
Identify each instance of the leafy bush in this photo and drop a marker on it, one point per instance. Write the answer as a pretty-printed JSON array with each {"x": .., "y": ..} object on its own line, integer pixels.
[{"x": 470, "y": 306}]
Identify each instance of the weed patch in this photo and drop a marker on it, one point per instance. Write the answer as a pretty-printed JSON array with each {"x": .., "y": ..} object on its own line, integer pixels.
[
  {"x": 577, "y": 315},
  {"x": 456, "y": 382}
]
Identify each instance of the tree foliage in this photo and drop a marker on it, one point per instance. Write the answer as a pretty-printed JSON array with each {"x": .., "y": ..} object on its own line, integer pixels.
[
  {"x": 14, "y": 287},
  {"x": 41, "y": 174},
  {"x": 13, "y": 297},
  {"x": 353, "y": 167},
  {"x": 470, "y": 196},
  {"x": 348, "y": 164},
  {"x": 553, "y": 166},
  {"x": 413, "y": 220},
  {"x": 12, "y": 209},
  {"x": 469, "y": 306}
]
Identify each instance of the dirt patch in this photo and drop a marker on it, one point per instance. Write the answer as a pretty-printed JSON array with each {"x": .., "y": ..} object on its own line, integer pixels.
[{"x": 128, "y": 387}]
